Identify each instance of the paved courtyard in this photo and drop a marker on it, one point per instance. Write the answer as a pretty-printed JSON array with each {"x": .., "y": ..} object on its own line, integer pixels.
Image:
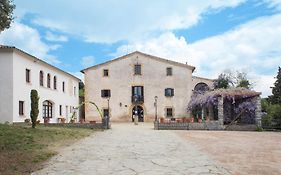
[{"x": 130, "y": 149}]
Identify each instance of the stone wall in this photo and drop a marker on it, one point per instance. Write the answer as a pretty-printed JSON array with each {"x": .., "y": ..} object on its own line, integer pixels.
[
  {"x": 78, "y": 125},
  {"x": 212, "y": 125}
]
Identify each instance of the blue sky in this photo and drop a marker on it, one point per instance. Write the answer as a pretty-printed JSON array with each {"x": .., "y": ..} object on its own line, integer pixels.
[{"x": 212, "y": 35}]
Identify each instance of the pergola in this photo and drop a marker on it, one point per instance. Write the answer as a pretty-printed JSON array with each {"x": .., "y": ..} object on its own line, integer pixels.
[{"x": 228, "y": 106}]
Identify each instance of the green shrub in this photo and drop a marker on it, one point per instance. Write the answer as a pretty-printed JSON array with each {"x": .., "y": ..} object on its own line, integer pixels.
[
  {"x": 274, "y": 114},
  {"x": 34, "y": 107}
]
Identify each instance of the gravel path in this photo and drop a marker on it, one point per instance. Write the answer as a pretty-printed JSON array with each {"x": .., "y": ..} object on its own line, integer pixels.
[{"x": 130, "y": 149}]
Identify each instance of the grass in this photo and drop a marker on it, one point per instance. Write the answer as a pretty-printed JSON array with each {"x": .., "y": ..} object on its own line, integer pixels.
[{"x": 24, "y": 149}]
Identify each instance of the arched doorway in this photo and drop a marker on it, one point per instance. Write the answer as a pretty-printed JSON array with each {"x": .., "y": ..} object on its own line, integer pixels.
[
  {"x": 138, "y": 110},
  {"x": 47, "y": 109}
]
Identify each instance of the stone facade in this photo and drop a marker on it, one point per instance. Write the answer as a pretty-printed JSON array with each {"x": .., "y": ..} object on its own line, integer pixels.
[
  {"x": 153, "y": 79},
  {"x": 258, "y": 111}
]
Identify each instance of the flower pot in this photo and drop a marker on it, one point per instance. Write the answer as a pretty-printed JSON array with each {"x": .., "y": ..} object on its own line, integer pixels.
[
  {"x": 191, "y": 120},
  {"x": 93, "y": 122},
  {"x": 162, "y": 120}
]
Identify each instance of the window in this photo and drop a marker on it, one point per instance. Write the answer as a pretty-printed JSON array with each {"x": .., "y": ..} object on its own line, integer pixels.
[
  {"x": 21, "y": 106},
  {"x": 169, "y": 92},
  {"x": 48, "y": 81},
  {"x": 137, "y": 69},
  {"x": 169, "y": 112},
  {"x": 105, "y": 72},
  {"x": 63, "y": 88},
  {"x": 47, "y": 109},
  {"x": 41, "y": 78},
  {"x": 137, "y": 94},
  {"x": 169, "y": 71},
  {"x": 105, "y": 93},
  {"x": 60, "y": 110},
  {"x": 27, "y": 75},
  {"x": 55, "y": 82}
]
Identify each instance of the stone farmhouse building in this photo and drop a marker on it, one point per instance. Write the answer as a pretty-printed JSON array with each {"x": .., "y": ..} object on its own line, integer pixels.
[
  {"x": 21, "y": 72},
  {"x": 142, "y": 84}
]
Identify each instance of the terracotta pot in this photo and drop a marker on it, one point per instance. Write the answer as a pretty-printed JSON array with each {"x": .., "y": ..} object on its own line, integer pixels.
[
  {"x": 46, "y": 120},
  {"x": 162, "y": 120},
  {"x": 63, "y": 120},
  {"x": 200, "y": 120},
  {"x": 191, "y": 120},
  {"x": 93, "y": 122}
]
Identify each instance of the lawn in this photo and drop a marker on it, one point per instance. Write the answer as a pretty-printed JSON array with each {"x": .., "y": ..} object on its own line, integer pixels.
[{"x": 24, "y": 149}]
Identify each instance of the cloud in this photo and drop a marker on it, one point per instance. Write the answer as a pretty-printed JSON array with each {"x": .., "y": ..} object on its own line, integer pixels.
[
  {"x": 56, "y": 38},
  {"x": 276, "y": 4},
  {"x": 29, "y": 40},
  {"x": 87, "y": 61},
  {"x": 111, "y": 21},
  {"x": 254, "y": 46}
]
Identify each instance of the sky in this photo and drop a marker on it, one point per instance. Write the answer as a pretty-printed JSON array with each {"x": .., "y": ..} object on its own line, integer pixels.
[{"x": 212, "y": 35}]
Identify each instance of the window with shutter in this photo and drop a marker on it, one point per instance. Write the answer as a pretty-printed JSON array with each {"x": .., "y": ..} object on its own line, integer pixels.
[{"x": 169, "y": 92}]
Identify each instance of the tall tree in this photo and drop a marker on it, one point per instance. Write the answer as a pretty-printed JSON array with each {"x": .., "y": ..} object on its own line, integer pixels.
[
  {"x": 275, "y": 98},
  {"x": 242, "y": 80},
  {"x": 6, "y": 14},
  {"x": 34, "y": 107},
  {"x": 225, "y": 80}
]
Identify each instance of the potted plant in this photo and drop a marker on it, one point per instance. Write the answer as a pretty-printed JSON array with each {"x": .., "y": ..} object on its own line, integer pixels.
[
  {"x": 191, "y": 119},
  {"x": 46, "y": 120},
  {"x": 162, "y": 119},
  {"x": 184, "y": 119}
]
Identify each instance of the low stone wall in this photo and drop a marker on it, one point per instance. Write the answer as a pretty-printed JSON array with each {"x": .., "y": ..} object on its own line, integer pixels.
[
  {"x": 78, "y": 125},
  {"x": 242, "y": 128},
  {"x": 171, "y": 126},
  {"x": 212, "y": 125}
]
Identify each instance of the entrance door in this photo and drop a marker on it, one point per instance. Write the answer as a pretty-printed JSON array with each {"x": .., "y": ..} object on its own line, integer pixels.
[{"x": 139, "y": 112}]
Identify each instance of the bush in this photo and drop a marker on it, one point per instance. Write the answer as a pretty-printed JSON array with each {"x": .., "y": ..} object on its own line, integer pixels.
[
  {"x": 27, "y": 120},
  {"x": 273, "y": 117}
]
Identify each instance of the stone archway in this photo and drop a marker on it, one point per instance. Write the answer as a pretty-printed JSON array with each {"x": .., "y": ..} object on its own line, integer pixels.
[
  {"x": 139, "y": 111},
  {"x": 202, "y": 87}
]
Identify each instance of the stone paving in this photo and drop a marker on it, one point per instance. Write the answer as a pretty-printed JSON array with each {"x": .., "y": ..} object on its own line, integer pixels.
[{"x": 132, "y": 149}]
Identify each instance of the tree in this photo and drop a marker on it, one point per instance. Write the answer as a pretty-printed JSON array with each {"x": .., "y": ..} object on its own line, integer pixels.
[
  {"x": 228, "y": 79},
  {"x": 81, "y": 89},
  {"x": 242, "y": 80},
  {"x": 34, "y": 107},
  {"x": 225, "y": 80},
  {"x": 6, "y": 14},
  {"x": 275, "y": 98}
]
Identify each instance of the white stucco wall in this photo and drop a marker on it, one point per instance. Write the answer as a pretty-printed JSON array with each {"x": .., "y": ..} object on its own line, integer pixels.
[
  {"x": 22, "y": 89},
  {"x": 121, "y": 79},
  {"x": 6, "y": 87},
  {"x": 17, "y": 89}
]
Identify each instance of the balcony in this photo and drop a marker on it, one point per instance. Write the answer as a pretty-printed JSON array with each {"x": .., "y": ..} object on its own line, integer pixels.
[{"x": 137, "y": 99}]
